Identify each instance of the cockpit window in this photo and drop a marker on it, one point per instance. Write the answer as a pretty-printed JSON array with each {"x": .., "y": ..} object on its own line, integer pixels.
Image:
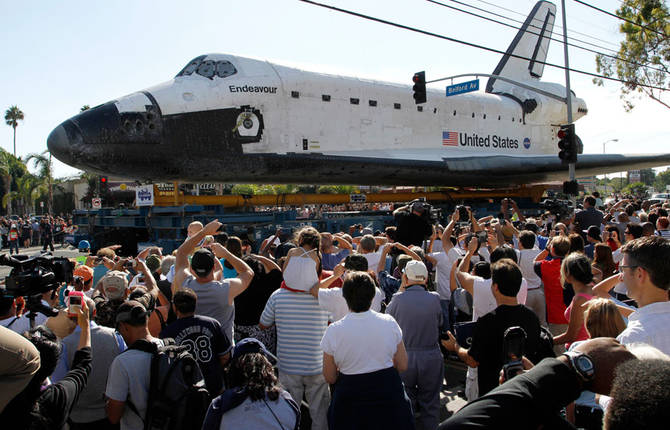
[
  {"x": 208, "y": 68},
  {"x": 224, "y": 68}
]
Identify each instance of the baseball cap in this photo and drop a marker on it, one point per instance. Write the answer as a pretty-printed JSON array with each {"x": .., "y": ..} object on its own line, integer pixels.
[
  {"x": 251, "y": 345},
  {"x": 131, "y": 312},
  {"x": 84, "y": 245},
  {"x": 416, "y": 271},
  {"x": 202, "y": 262},
  {"x": 153, "y": 263},
  {"x": 114, "y": 284},
  {"x": 366, "y": 230},
  {"x": 84, "y": 271},
  {"x": 594, "y": 232}
]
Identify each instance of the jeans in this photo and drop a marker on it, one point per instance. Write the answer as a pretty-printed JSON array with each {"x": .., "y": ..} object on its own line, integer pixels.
[{"x": 13, "y": 245}]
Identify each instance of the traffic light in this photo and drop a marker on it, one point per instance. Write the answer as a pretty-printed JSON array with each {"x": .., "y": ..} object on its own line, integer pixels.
[
  {"x": 419, "y": 87},
  {"x": 567, "y": 144},
  {"x": 102, "y": 184}
]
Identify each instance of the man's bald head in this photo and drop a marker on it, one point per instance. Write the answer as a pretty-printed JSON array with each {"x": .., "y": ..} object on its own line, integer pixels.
[{"x": 194, "y": 228}]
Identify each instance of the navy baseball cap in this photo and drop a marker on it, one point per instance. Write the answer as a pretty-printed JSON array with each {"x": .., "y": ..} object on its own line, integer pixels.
[
  {"x": 202, "y": 262},
  {"x": 251, "y": 345}
]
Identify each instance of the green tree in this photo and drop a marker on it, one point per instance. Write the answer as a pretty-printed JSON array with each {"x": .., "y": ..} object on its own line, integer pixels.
[
  {"x": 85, "y": 107},
  {"x": 647, "y": 176},
  {"x": 617, "y": 184},
  {"x": 662, "y": 180},
  {"x": 28, "y": 188},
  {"x": 644, "y": 53},
  {"x": 636, "y": 189},
  {"x": 42, "y": 162},
  {"x": 12, "y": 117}
]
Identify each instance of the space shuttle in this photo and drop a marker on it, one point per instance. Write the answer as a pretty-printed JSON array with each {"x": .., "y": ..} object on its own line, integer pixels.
[{"x": 225, "y": 118}]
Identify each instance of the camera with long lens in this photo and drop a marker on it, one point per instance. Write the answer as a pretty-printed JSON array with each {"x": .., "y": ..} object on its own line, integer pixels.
[
  {"x": 31, "y": 277},
  {"x": 560, "y": 208}
]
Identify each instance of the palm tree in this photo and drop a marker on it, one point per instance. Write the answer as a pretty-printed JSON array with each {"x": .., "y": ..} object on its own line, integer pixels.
[
  {"x": 28, "y": 188},
  {"x": 12, "y": 117},
  {"x": 5, "y": 172},
  {"x": 43, "y": 163}
]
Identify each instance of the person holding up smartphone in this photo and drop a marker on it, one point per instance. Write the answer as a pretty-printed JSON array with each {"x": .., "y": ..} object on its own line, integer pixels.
[{"x": 486, "y": 351}]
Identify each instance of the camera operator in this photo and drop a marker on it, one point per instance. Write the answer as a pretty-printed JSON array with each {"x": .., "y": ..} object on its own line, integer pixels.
[
  {"x": 413, "y": 222},
  {"x": 49, "y": 408},
  {"x": 10, "y": 317}
]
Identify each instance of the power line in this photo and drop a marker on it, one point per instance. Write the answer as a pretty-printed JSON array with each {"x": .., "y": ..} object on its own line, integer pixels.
[
  {"x": 521, "y": 22},
  {"x": 558, "y": 26},
  {"x": 538, "y": 34},
  {"x": 473, "y": 45},
  {"x": 620, "y": 17}
]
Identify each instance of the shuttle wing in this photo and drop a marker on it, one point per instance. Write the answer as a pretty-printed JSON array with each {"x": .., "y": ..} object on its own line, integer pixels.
[{"x": 496, "y": 171}]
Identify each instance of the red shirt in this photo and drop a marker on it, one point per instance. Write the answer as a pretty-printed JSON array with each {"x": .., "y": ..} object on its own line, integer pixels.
[{"x": 553, "y": 291}]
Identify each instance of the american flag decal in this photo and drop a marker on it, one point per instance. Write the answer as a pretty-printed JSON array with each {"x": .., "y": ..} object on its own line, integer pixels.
[{"x": 449, "y": 138}]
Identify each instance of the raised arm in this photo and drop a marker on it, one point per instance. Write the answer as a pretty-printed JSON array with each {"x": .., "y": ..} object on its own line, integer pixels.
[
  {"x": 448, "y": 231},
  {"x": 244, "y": 272},
  {"x": 181, "y": 265},
  {"x": 602, "y": 288}
]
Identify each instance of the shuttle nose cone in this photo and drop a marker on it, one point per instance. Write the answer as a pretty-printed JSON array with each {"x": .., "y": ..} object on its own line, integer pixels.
[{"x": 60, "y": 142}]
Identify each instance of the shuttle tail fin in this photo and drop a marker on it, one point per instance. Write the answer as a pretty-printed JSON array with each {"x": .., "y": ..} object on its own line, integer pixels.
[{"x": 531, "y": 42}]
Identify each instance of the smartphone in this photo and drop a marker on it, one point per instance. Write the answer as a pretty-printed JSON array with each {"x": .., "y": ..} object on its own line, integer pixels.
[
  {"x": 513, "y": 349},
  {"x": 482, "y": 237},
  {"x": 129, "y": 264},
  {"x": 74, "y": 303}
]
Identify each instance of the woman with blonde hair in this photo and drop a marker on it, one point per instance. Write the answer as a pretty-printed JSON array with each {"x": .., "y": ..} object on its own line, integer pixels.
[{"x": 602, "y": 318}]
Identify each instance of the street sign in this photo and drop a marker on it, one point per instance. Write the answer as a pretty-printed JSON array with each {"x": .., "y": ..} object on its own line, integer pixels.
[
  {"x": 96, "y": 202},
  {"x": 463, "y": 87}
]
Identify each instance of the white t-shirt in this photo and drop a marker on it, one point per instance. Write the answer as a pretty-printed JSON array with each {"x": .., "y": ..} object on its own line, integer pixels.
[
  {"x": 362, "y": 342},
  {"x": 22, "y": 323},
  {"x": 373, "y": 259},
  {"x": 331, "y": 299},
  {"x": 445, "y": 260},
  {"x": 527, "y": 264},
  {"x": 483, "y": 300}
]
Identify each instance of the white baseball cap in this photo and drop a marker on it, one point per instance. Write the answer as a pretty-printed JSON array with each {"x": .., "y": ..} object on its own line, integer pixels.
[{"x": 416, "y": 271}]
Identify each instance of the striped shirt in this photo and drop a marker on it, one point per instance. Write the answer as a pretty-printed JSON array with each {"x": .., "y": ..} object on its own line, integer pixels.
[{"x": 301, "y": 324}]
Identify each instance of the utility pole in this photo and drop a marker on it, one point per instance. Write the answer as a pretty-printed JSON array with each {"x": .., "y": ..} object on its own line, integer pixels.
[{"x": 568, "y": 94}]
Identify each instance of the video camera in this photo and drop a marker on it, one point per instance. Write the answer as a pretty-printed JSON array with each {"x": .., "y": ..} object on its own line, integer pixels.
[
  {"x": 427, "y": 211},
  {"x": 30, "y": 277},
  {"x": 560, "y": 208}
]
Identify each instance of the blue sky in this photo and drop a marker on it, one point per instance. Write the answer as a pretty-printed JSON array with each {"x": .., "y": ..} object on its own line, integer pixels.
[{"x": 58, "y": 56}]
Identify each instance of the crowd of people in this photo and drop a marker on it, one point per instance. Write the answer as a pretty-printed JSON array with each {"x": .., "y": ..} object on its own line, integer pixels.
[
  {"x": 561, "y": 320},
  {"x": 26, "y": 231}
]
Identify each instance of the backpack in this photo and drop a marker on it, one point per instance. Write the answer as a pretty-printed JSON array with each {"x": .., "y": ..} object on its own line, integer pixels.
[{"x": 177, "y": 398}]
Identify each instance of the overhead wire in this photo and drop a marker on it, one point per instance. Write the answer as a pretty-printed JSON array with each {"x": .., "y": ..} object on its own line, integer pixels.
[
  {"x": 466, "y": 43},
  {"x": 630, "y": 21},
  {"x": 558, "y": 26},
  {"x": 538, "y": 34}
]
